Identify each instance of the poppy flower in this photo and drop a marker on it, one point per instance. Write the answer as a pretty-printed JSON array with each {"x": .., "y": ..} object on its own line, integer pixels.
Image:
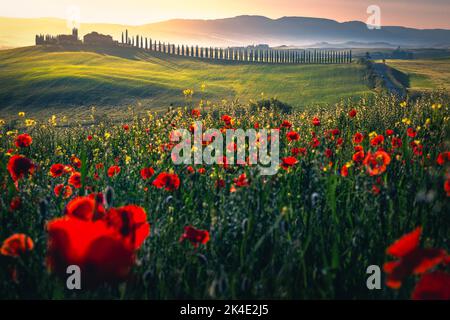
[
  {"x": 57, "y": 170},
  {"x": 227, "y": 119},
  {"x": 92, "y": 245},
  {"x": 377, "y": 140},
  {"x": 190, "y": 169},
  {"x": 131, "y": 222},
  {"x": 389, "y": 132},
  {"x": 19, "y": 167},
  {"x": 328, "y": 153},
  {"x": 201, "y": 170},
  {"x": 316, "y": 122},
  {"x": 195, "y": 236},
  {"x": 352, "y": 113},
  {"x": 220, "y": 183},
  {"x": 292, "y": 136},
  {"x": 344, "y": 171},
  {"x": 315, "y": 142},
  {"x": 168, "y": 181},
  {"x": 147, "y": 173},
  {"x": 75, "y": 180},
  {"x": 82, "y": 208},
  {"x": 358, "y": 157},
  {"x": 443, "y": 158},
  {"x": 286, "y": 124},
  {"x": 75, "y": 162},
  {"x": 241, "y": 181},
  {"x": 396, "y": 142},
  {"x": 23, "y": 140},
  {"x": 433, "y": 286},
  {"x": 411, "y": 132},
  {"x": 15, "y": 203},
  {"x": 411, "y": 258},
  {"x": 126, "y": 127},
  {"x": 195, "y": 113},
  {"x": 65, "y": 191},
  {"x": 16, "y": 245},
  {"x": 358, "y": 138},
  {"x": 376, "y": 163},
  {"x": 447, "y": 187},
  {"x": 296, "y": 151},
  {"x": 288, "y": 162},
  {"x": 113, "y": 171}
]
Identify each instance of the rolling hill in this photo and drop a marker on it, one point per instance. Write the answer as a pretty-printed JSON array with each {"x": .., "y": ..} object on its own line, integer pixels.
[
  {"x": 237, "y": 31},
  {"x": 42, "y": 79}
]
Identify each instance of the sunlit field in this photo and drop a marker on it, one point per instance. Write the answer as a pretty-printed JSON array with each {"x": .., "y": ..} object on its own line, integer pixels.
[
  {"x": 353, "y": 180},
  {"x": 43, "y": 80}
]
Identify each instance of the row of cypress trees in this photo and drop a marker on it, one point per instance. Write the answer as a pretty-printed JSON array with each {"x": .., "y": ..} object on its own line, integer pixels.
[{"x": 241, "y": 54}]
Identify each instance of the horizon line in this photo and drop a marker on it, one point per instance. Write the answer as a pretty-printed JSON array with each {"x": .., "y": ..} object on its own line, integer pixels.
[{"x": 211, "y": 19}]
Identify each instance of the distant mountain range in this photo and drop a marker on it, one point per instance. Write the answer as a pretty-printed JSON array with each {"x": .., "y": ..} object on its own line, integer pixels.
[{"x": 240, "y": 31}]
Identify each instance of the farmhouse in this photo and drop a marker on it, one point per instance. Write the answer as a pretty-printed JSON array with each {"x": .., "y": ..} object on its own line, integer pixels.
[
  {"x": 61, "y": 39},
  {"x": 95, "y": 38}
]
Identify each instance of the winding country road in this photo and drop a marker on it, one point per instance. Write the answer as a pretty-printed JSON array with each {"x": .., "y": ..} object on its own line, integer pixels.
[{"x": 381, "y": 71}]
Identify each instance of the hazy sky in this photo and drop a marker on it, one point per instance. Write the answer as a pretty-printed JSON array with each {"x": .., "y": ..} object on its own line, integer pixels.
[{"x": 413, "y": 13}]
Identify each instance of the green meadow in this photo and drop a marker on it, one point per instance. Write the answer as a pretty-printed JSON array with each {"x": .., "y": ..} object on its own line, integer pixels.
[{"x": 37, "y": 77}]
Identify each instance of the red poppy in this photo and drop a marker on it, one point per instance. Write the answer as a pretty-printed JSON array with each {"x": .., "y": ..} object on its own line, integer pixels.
[
  {"x": 126, "y": 127},
  {"x": 190, "y": 169},
  {"x": 288, "y": 162},
  {"x": 23, "y": 140},
  {"x": 15, "y": 203},
  {"x": 147, "y": 173},
  {"x": 352, "y": 113},
  {"x": 412, "y": 258},
  {"x": 286, "y": 124},
  {"x": 376, "y": 141},
  {"x": 57, "y": 170},
  {"x": 75, "y": 162},
  {"x": 411, "y": 132},
  {"x": 92, "y": 245},
  {"x": 315, "y": 142},
  {"x": 195, "y": 113},
  {"x": 195, "y": 236},
  {"x": 447, "y": 187},
  {"x": 19, "y": 167},
  {"x": 417, "y": 148},
  {"x": 344, "y": 171},
  {"x": 241, "y": 181},
  {"x": 113, "y": 171},
  {"x": 201, "y": 170},
  {"x": 131, "y": 222},
  {"x": 358, "y": 138},
  {"x": 102, "y": 245},
  {"x": 16, "y": 245},
  {"x": 396, "y": 142},
  {"x": 376, "y": 163},
  {"x": 328, "y": 153},
  {"x": 443, "y": 158},
  {"x": 220, "y": 183},
  {"x": 296, "y": 151},
  {"x": 83, "y": 208},
  {"x": 292, "y": 136},
  {"x": 316, "y": 122},
  {"x": 227, "y": 119},
  {"x": 65, "y": 191},
  {"x": 358, "y": 156},
  {"x": 433, "y": 286},
  {"x": 75, "y": 180},
  {"x": 168, "y": 181},
  {"x": 89, "y": 137},
  {"x": 389, "y": 132}
]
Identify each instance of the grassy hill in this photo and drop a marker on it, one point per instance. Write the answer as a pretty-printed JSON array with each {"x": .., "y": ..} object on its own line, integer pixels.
[
  {"x": 424, "y": 74},
  {"x": 36, "y": 77}
]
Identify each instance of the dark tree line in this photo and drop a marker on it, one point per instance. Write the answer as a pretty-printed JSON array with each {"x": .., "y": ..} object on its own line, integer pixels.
[{"x": 264, "y": 55}]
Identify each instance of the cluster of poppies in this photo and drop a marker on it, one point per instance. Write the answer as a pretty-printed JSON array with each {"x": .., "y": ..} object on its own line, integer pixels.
[{"x": 414, "y": 260}]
